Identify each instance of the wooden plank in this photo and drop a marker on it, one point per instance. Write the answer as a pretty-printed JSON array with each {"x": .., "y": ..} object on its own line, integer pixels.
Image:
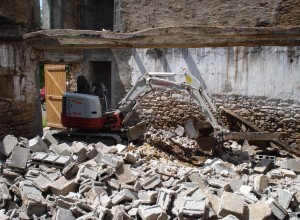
[
  {"x": 252, "y": 136},
  {"x": 279, "y": 143}
]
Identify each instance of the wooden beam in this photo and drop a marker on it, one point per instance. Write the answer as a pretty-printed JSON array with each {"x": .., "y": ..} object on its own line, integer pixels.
[{"x": 165, "y": 37}]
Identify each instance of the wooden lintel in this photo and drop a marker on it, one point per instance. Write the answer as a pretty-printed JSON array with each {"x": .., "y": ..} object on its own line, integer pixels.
[{"x": 252, "y": 136}]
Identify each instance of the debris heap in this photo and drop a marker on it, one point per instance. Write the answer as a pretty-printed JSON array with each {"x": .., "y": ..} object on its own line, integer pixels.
[{"x": 43, "y": 178}]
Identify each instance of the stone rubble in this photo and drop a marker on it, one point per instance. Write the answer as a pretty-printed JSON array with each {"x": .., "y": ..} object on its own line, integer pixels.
[{"x": 94, "y": 181}]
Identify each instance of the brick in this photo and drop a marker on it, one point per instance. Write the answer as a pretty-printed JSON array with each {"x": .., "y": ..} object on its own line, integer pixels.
[
  {"x": 38, "y": 145},
  {"x": 277, "y": 209},
  {"x": 154, "y": 212},
  {"x": 164, "y": 198},
  {"x": 19, "y": 158},
  {"x": 62, "y": 186},
  {"x": 259, "y": 210},
  {"x": 261, "y": 182},
  {"x": 64, "y": 214},
  {"x": 231, "y": 204},
  {"x": 8, "y": 144}
]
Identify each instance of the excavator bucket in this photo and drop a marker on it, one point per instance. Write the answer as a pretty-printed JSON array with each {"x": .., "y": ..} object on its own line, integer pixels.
[{"x": 136, "y": 131}]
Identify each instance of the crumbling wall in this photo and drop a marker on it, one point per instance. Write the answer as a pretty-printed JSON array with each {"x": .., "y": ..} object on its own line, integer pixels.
[
  {"x": 259, "y": 83},
  {"x": 149, "y": 13},
  {"x": 18, "y": 111}
]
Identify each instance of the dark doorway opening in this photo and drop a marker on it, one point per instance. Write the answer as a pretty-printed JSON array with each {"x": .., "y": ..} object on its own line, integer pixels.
[
  {"x": 96, "y": 14},
  {"x": 101, "y": 73}
]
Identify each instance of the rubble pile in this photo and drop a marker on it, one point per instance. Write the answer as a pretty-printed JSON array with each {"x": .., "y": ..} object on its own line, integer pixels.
[{"x": 41, "y": 178}]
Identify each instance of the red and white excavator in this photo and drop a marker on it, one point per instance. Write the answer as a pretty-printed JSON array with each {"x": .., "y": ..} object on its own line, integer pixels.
[{"x": 88, "y": 111}]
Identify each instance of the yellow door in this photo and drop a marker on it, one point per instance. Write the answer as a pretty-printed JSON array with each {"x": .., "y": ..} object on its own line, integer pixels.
[{"x": 55, "y": 84}]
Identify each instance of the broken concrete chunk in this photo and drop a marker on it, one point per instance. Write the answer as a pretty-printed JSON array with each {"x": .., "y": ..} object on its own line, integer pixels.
[
  {"x": 231, "y": 204},
  {"x": 42, "y": 182},
  {"x": 38, "y": 145},
  {"x": 263, "y": 166},
  {"x": 4, "y": 195},
  {"x": 284, "y": 197},
  {"x": 61, "y": 149},
  {"x": 147, "y": 197},
  {"x": 19, "y": 158},
  {"x": 124, "y": 174},
  {"x": 130, "y": 158},
  {"x": 70, "y": 170},
  {"x": 121, "y": 147},
  {"x": 151, "y": 182},
  {"x": 8, "y": 144},
  {"x": 230, "y": 217},
  {"x": 154, "y": 212},
  {"x": 193, "y": 209},
  {"x": 164, "y": 198},
  {"x": 62, "y": 186},
  {"x": 259, "y": 210},
  {"x": 190, "y": 130},
  {"x": 179, "y": 131},
  {"x": 261, "y": 182},
  {"x": 277, "y": 209},
  {"x": 80, "y": 150},
  {"x": 48, "y": 138},
  {"x": 109, "y": 160},
  {"x": 64, "y": 214},
  {"x": 291, "y": 164}
]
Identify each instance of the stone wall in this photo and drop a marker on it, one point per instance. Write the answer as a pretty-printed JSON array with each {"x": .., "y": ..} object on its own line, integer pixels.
[
  {"x": 18, "y": 96},
  {"x": 152, "y": 13}
]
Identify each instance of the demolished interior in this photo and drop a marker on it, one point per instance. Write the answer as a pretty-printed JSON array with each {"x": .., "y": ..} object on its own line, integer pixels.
[{"x": 245, "y": 55}]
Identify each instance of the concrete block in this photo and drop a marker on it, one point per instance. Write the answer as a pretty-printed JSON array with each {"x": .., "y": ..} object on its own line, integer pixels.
[
  {"x": 64, "y": 214},
  {"x": 4, "y": 195},
  {"x": 261, "y": 182},
  {"x": 130, "y": 158},
  {"x": 61, "y": 149},
  {"x": 109, "y": 160},
  {"x": 124, "y": 174},
  {"x": 130, "y": 195},
  {"x": 147, "y": 197},
  {"x": 117, "y": 198},
  {"x": 179, "y": 131},
  {"x": 42, "y": 182},
  {"x": 264, "y": 157},
  {"x": 51, "y": 160},
  {"x": 19, "y": 158},
  {"x": 231, "y": 204},
  {"x": 151, "y": 182},
  {"x": 48, "y": 138},
  {"x": 105, "y": 201},
  {"x": 284, "y": 197},
  {"x": 91, "y": 153},
  {"x": 164, "y": 198},
  {"x": 263, "y": 166},
  {"x": 80, "y": 150},
  {"x": 38, "y": 145},
  {"x": 193, "y": 209},
  {"x": 70, "y": 170},
  {"x": 8, "y": 144},
  {"x": 87, "y": 173},
  {"x": 277, "y": 209},
  {"x": 154, "y": 212},
  {"x": 62, "y": 186},
  {"x": 259, "y": 210},
  {"x": 133, "y": 212},
  {"x": 291, "y": 164}
]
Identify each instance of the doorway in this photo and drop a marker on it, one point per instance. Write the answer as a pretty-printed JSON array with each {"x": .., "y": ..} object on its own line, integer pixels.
[{"x": 101, "y": 73}]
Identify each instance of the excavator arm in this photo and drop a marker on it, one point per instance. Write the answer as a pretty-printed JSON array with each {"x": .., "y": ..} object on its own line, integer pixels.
[{"x": 152, "y": 80}]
